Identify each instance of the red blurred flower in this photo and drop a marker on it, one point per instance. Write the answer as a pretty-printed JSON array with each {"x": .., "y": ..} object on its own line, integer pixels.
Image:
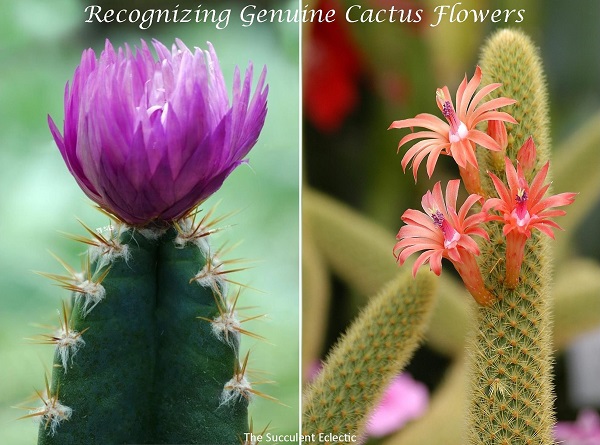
[{"x": 333, "y": 68}]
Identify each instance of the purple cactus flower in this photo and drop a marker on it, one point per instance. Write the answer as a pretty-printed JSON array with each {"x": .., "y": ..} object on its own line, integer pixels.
[{"x": 149, "y": 139}]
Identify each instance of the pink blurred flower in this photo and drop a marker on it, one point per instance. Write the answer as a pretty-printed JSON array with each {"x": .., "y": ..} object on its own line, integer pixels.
[
  {"x": 456, "y": 137},
  {"x": 441, "y": 232},
  {"x": 405, "y": 399},
  {"x": 584, "y": 431},
  {"x": 523, "y": 208}
]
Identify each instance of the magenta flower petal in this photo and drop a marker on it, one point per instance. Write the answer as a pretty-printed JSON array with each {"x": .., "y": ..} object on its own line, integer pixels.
[
  {"x": 404, "y": 400},
  {"x": 149, "y": 138}
]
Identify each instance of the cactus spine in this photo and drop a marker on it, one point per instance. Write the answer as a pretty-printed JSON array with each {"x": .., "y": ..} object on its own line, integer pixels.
[
  {"x": 510, "y": 352},
  {"x": 374, "y": 350},
  {"x": 150, "y": 352}
]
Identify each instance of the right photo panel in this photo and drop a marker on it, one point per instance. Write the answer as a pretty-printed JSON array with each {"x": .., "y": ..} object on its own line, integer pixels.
[{"x": 450, "y": 211}]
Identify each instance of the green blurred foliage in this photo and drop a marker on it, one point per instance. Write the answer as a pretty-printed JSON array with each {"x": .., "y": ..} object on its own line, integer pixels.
[{"x": 41, "y": 46}]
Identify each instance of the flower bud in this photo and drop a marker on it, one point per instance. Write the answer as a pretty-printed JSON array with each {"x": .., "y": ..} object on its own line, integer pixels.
[
  {"x": 526, "y": 156},
  {"x": 497, "y": 131}
]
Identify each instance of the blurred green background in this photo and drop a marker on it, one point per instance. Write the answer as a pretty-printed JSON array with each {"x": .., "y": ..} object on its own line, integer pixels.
[{"x": 40, "y": 46}]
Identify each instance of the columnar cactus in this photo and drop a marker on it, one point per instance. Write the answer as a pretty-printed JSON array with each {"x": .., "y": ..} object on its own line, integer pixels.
[
  {"x": 508, "y": 270},
  {"x": 511, "y": 353},
  {"x": 148, "y": 348}
]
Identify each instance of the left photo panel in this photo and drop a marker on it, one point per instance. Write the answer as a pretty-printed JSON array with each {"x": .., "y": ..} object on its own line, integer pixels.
[{"x": 149, "y": 291}]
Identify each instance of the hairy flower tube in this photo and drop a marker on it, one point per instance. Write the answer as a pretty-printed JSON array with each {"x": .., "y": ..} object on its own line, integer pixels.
[
  {"x": 457, "y": 137},
  {"x": 442, "y": 232},
  {"x": 523, "y": 208},
  {"x": 150, "y": 138}
]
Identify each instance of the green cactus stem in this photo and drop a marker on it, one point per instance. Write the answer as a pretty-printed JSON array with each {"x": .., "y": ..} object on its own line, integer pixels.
[
  {"x": 149, "y": 352},
  {"x": 316, "y": 298},
  {"x": 204, "y": 350},
  {"x": 374, "y": 350},
  {"x": 575, "y": 168},
  {"x": 107, "y": 382},
  {"x": 510, "y": 352},
  {"x": 576, "y": 302}
]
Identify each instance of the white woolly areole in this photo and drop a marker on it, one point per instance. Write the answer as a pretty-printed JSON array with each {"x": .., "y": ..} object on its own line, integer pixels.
[
  {"x": 226, "y": 327},
  {"x": 92, "y": 293},
  {"x": 191, "y": 234},
  {"x": 235, "y": 389},
  {"x": 106, "y": 253},
  {"x": 67, "y": 344},
  {"x": 211, "y": 275},
  {"x": 52, "y": 414}
]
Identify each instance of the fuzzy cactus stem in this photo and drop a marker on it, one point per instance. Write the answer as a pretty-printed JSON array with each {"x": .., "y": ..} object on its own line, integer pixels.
[
  {"x": 373, "y": 351},
  {"x": 510, "y": 351}
]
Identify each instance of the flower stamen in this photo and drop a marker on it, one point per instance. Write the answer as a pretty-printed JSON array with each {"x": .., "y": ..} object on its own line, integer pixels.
[
  {"x": 458, "y": 130},
  {"x": 451, "y": 236},
  {"x": 521, "y": 213}
]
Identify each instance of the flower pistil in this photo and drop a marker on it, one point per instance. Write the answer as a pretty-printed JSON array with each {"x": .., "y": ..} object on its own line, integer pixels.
[
  {"x": 458, "y": 130},
  {"x": 451, "y": 236}
]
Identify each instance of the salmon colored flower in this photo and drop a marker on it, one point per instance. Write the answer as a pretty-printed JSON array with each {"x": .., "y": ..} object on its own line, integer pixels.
[
  {"x": 456, "y": 137},
  {"x": 523, "y": 208},
  {"x": 526, "y": 156},
  {"x": 442, "y": 232}
]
